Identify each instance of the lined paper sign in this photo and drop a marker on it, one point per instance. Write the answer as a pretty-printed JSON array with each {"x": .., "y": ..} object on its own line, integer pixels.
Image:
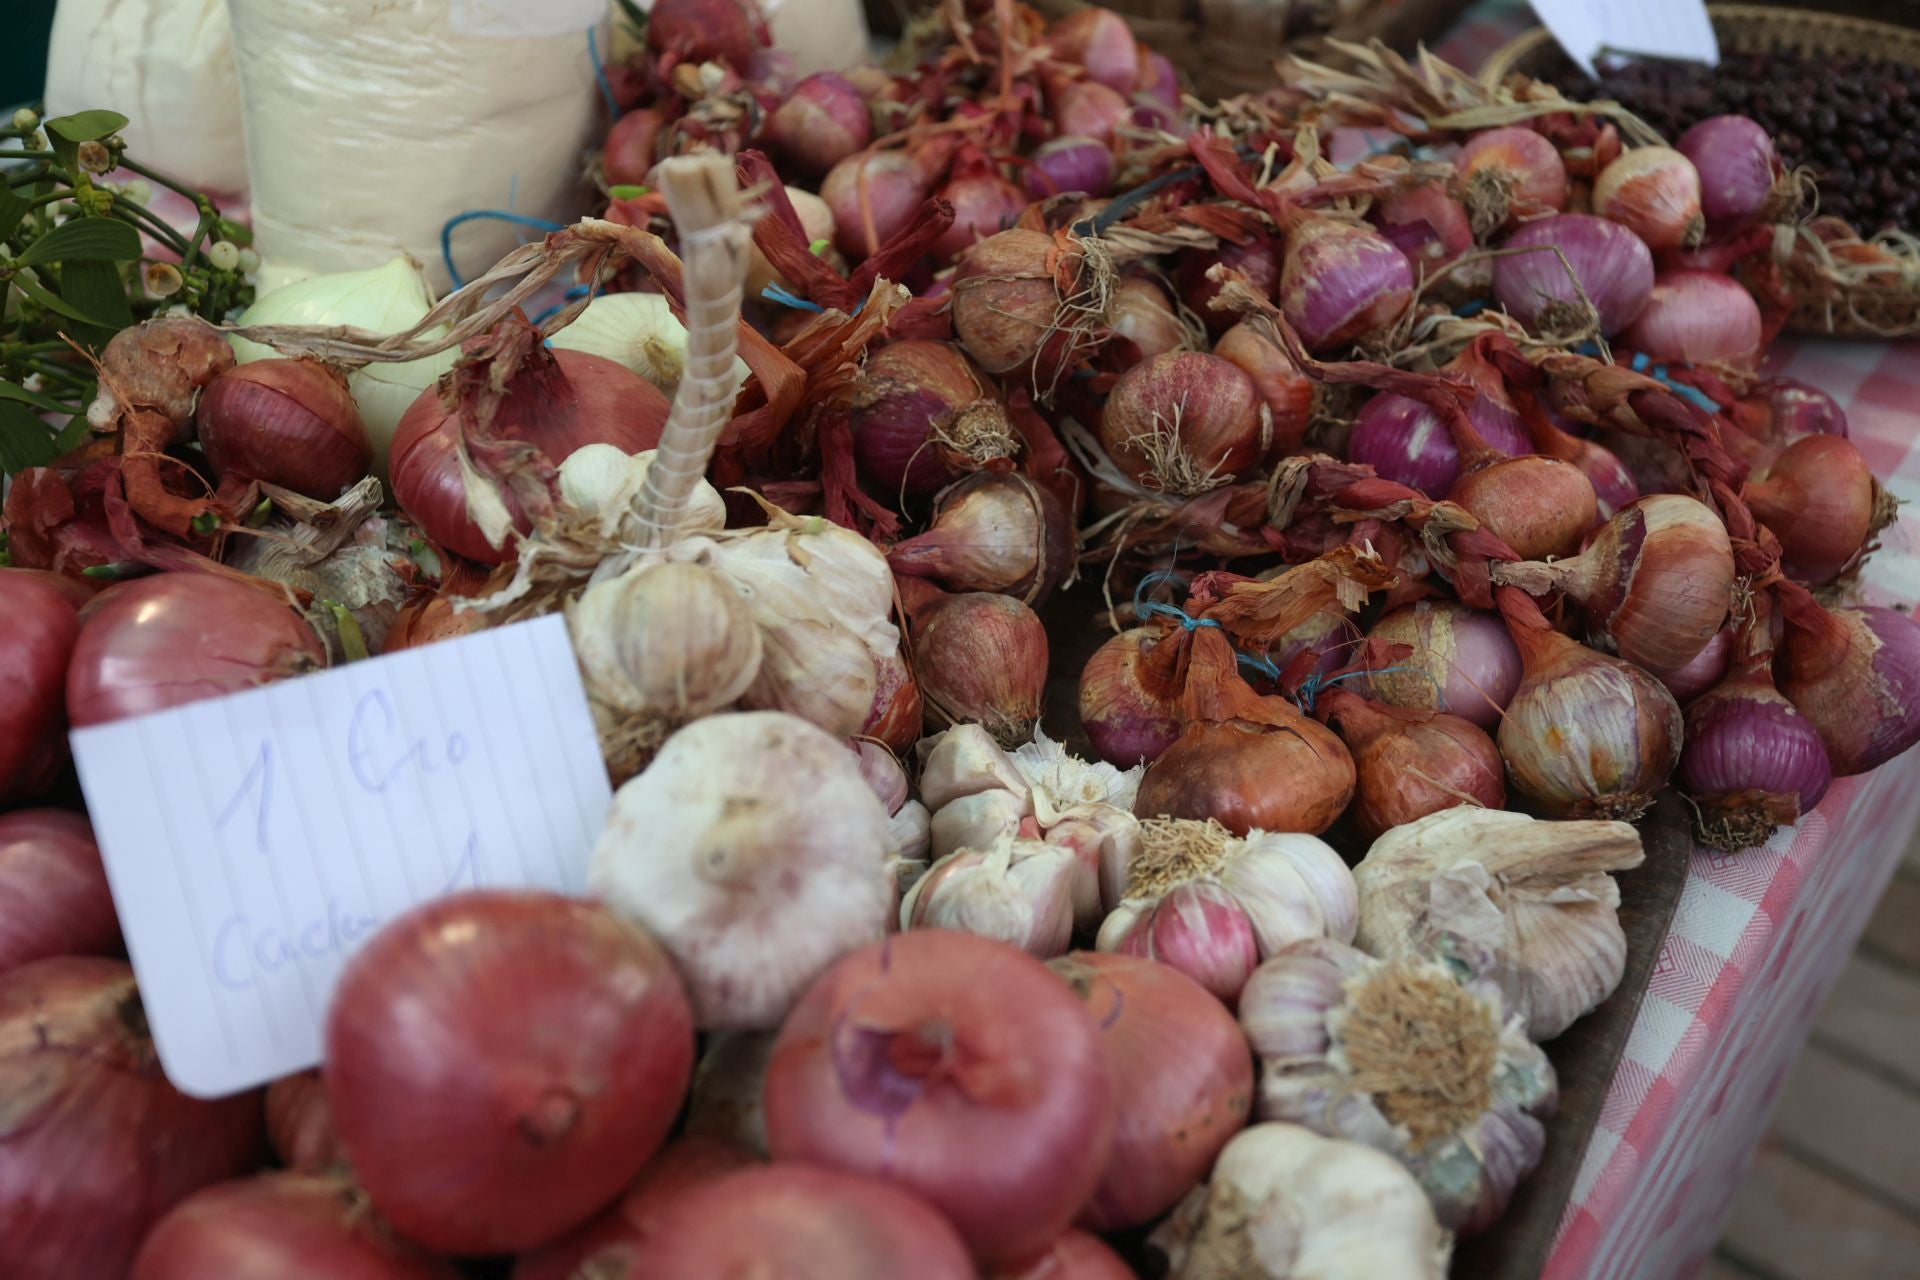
[
  {"x": 1654, "y": 28},
  {"x": 253, "y": 842}
]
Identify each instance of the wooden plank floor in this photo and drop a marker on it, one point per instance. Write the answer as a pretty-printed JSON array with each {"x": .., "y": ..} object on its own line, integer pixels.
[{"x": 1835, "y": 1190}]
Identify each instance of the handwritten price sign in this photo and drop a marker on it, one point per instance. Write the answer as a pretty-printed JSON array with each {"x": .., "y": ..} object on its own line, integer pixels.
[{"x": 254, "y": 841}]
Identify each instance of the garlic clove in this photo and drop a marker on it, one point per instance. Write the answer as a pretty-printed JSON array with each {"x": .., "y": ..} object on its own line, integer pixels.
[
  {"x": 1085, "y": 841},
  {"x": 909, "y": 834},
  {"x": 976, "y": 821},
  {"x": 963, "y": 761},
  {"x": 1293, "y": 887},
  {"x": 817, "y": 670},
  {"x": 1067, "y": 783}
]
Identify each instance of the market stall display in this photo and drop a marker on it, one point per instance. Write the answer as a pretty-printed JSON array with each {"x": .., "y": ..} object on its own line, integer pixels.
[{"x": 1372, "y": 477}]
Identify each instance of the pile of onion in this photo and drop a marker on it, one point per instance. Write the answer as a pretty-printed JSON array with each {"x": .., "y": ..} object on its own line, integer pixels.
[
  {"x": 1462, "y": 661},
  {"x": 1130, "y": 696},
  {"x": 288, "y": 422},
  {"x": 54, "y": 899},
  {"x": 38, "y": 628},
  {"x": 1408, "y": 764}
]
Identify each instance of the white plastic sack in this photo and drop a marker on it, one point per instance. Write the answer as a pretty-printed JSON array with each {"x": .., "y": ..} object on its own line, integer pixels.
[
  {"x": 822, "y": 35},
  {"x": 167, "y": 65},
  {"x": 370, "y": 123}
]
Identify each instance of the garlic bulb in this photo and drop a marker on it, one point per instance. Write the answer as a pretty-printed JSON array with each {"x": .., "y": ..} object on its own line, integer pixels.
[
  {"x": 728, "y": 1082},
  {"x": 600, "y": 480},
  {"x": 385, "y": 299},
  {"x": 1405, "y": 1057},
  {"x": 756, "y": 853},
  {"x": 1285, "y": 1203},
  {"x": 980, "y": 793},
  {"x": 641, "y": 332},
  {"x": 1214, "y": 905},
  {"x": 660, "y": 645},
  {"x": 1019, "y": 891},
  {"x": 1525, "y": 902}
]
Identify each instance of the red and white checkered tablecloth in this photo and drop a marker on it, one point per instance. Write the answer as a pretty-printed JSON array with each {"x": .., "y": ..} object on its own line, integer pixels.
[{"x": 1760, "y": 938}]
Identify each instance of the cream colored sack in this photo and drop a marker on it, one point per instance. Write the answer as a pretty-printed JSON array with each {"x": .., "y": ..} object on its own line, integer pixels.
[
  {"x": 167, "y": 65},
  {"x": 370, "y": 123}
]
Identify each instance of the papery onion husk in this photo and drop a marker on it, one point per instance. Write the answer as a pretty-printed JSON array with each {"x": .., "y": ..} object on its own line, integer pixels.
[
  {"x": 1655, "y": 193},
  {"x": 1538, "y": 506},
  {"x": 1510, "y": 174},
  {"x": 954, "y": 1067},
  {"x": 1405, "y": 1057},
  {"x": 1014, "y": 315},
  {"x": 897, "y": 716},
  {"x": 802, "y": 1223},
  {"x": 1697, "y": 317},
  {"x": 287, "y": 422},
  {"x": 1855, "y": 673},
  {"x": 1409, "y": 764},
  {"x": 1464, "y": 661},
  {"x": 1341, "y": 281},
  {"x": 1183, "y": 1081},
  {"x": 1586, "y": 735},
  {"x": 992, "y": 532},
  {"x": 982, "y": 659},
  {"x": 96, "y": 1143},
  {"x": 1612, "y": 266},
  {"x": 1820, "y": 498},
  {"x": 1655, "y": 583},
  {"x": 1289, "y": 394},
  {"x": 1129, "y": 697},
  {"x": 1185, "y": 422},
  {"x": 1752, "y": 763}
]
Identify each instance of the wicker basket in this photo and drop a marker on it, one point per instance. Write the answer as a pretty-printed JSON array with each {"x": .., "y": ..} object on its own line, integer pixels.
[{"x": 1837, "y": 295}]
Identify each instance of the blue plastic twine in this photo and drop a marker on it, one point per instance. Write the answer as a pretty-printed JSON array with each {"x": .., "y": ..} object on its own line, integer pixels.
[
  {"x": 519, "y": 219},
  {"x": 600, "y": 74},
  {"x": 1143, "y": 608}
]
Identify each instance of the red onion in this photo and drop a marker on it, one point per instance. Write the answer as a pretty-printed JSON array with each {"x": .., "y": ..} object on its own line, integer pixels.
[
  {"x": 1088, "y": 109},
  {"x": 1707, "y": 669},
  {"x": 1752, "y": 762},
  {"x": 1291, "y": 776},
  {"x": 909, "y": 392},
  {"x": 1821, "y": 500},
  {"x": 983, "y": 203},
  {"x": 1609, "y": 261},
  {"x": 1855, "y": 673},
  {"x": 96, "y": 1145},
  {"x": 299, "y": 1125},
  {"x": 874, "y": 195},
  {"x": 1655, "y": 193},
  {"x": 500, "y": 1064},
  {"x": 1613, "y": 485},
  {"x": 1426, "y": 224},
  {"x": 729, "y": 31},
  {"x": 1464, "y": 661},
  {"x": 1009, "y": 308},
  {"x": 1070, "y": 163},
  {"x": 279, "y": 1225},
  {"x": 1100, "y": 41},
  {"x": 53, "y": 890},
  {"x": 1508, "y": 175},
  {"x": 1697, "y": 317},
  {"x": 821, "y": 123},
  {"x": 1257, "y": 260},
  {"x": 958, "y": 1068},
  {"x": 1144, "y": 324},
  {"x": 1778, "y": 411},
  {"x": 626, "y": 158},
  {"x": 1586, "y": 736},
  {"x": 38, "y": 631},
  {"x": 557, "y": 401},
  {"x": 1074, "y": 1256},
  {"x": 982, "y": 658},
  {"x": 1655, "y": 584},
  {"x": 1539, "y": 506},
  {"x": 1182, "y": 1079},
  {"x": 897, "y": 715},
  {"x": 1185, "y": 422},
  {"x": 175, "y": 638},
  {"x": 620, "y": 1237},
  {"x": 1129, "y": 698},
  {"x": 1738, "y": 169},
  {"x": 1406, "y": 442},
  {"x": 78, "y": 592},
  {"x": 800, "y": 1223},
  {"x": 1159, "y": 80},
  {"x": 1409, "y": 764},
  {"x": 992, "y": 532},
  {"x": 288, "y": 422},
  {"x": 1288, "y": 393},
  {"x": 1341, "y": 281}
]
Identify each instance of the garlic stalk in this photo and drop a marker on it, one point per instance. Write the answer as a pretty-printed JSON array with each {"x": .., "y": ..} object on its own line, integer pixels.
[
  {"x": 979, "y": 793},
  {"x": 1214, "y": 905},
  {"x": 640, "y": 331},
  {"x": 1405, "y": 1057},
  {"x": 756, "y": 853},
  {"x": 1526, "y": 902},
  {"x": 1285, "y": 1203},
  {"x": 1019, "y": 891}
]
